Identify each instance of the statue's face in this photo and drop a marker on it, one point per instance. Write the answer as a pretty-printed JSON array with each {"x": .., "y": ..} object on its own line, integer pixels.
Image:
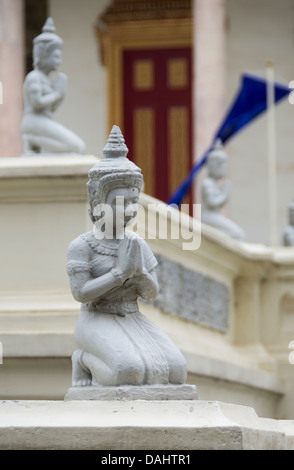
[
  {"x": 217, "y": 167},
  {"x": 51, "y": 60},
  {"x": 124, "y": 204}
]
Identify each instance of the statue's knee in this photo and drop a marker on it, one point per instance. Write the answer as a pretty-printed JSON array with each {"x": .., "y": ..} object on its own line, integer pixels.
[{"x": 178, "y": 372}]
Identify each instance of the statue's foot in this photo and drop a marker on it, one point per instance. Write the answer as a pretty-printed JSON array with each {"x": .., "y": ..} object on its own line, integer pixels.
[{"x": 81, "y": 376}]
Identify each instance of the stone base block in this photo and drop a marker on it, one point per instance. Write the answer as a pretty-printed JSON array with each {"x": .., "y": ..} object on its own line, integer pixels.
[
  {"x": 130, "y": 392},
  {"x": 178, "y": 425}
]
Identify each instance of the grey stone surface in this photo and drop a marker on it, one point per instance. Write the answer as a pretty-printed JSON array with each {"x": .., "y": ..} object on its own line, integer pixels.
[
  {"x": 44, "y": 90},
  {"x": 191, "y": 295},
  {"x": 215, "y": 193},
  {"x": 127, "y": 392}
]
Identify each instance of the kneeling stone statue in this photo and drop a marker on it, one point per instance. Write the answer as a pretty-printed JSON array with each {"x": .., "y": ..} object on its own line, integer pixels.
[
  {"x": 44, "y": 90},
  {"x": 215, "y": 195},
  {"x": 120, "y": 351}
]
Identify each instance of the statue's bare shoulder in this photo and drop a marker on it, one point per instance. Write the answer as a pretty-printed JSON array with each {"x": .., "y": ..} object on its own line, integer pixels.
[
  {"x": 79, "y": 249},
  {"x": 33, "y": 77}
]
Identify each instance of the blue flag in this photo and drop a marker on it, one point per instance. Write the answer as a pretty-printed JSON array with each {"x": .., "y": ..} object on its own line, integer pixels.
[{"x": 250, "y": 102}]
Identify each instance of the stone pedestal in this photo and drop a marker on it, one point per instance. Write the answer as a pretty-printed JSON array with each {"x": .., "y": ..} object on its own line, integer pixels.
[
  {"x": 138, "y": 425},
  {"x": 127, "y": 392}
]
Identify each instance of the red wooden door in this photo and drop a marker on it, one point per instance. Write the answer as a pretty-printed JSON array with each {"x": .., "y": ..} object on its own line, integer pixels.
[{"x": 157, "y": 112}]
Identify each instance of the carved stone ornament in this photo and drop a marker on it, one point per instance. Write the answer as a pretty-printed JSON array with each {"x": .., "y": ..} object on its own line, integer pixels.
[
  {"x": 191, "y": 295},
  {"x": 44, "y": 90},
  {"x": 120, "y": 352}
]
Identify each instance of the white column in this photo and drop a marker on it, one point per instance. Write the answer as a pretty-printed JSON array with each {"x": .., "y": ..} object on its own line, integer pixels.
[
  {"x": 11, "y": 76},
  {"x": 209, "y": 74}
]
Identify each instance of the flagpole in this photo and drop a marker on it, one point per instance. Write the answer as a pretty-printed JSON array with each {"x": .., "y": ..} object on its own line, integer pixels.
[{"x": 271, "y": 151}]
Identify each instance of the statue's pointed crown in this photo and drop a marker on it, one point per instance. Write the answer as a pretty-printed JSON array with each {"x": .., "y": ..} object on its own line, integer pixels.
[
  {"x": 115, "y": 157},
  {"x": 113, "y": 171},
  {"x": 48, "y": 33},
  {"x": 115, "y": 146},
  {"x": 49, "y": 26}
]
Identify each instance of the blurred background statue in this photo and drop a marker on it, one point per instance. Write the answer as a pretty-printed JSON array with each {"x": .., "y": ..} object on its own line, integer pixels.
[
  {"x": 215, "y": 194},
  {"x": 43, "y": 93},
  {"x": 288, "y": 233}
]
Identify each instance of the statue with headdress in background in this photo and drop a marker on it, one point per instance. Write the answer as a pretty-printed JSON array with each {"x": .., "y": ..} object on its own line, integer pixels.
[
  {"x": 43, "y": 94},
  {"x": 215, "y": 194}
]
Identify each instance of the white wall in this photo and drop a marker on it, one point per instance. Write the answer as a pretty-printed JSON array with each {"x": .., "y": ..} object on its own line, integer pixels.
[
  {"x": 260, "y": 30},
  {"x": 84, "y": 108}
]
